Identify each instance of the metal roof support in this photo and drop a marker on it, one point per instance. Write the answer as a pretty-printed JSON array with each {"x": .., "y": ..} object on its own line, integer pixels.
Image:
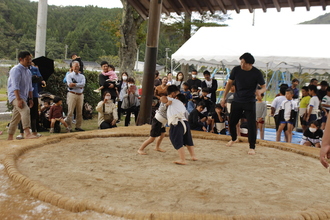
[{"x": 150, "y": 62}]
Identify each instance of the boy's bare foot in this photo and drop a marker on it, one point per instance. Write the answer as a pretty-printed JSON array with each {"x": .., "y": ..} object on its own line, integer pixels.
[
  {"x": 194, "y": 159},
  {"x": 231, "y": 142},
  {"x": 180, "y": 162},
  {"x": 159, "y": 149},
  {"x": 251, "y": 152},
  {"x": 141, "y": 152},
  {"x": 30, "y": 136}
]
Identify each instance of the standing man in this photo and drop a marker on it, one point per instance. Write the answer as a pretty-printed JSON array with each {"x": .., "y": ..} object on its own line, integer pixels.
[
  {"x": 294, "y": 87},
  {"x": 247, "y": 78},
  {"x": 194, "y": 81},
  {"x": 19, "y": 90},
  {"x": 75, "y": 97},
  {"x": 75, "y": 57}
]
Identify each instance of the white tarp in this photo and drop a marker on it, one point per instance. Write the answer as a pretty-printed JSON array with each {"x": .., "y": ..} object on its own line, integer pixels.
[{"x": 286, "y": 47}]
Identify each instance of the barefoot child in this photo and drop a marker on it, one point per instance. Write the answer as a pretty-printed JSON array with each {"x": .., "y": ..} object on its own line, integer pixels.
[
  {"x": 56, "y": 114},
  {"x": 287, "y": 116},
  {"x": 157, "y": 127},
  {"x": 179, "y": 133},
  {"x": 261, "y": 112}
]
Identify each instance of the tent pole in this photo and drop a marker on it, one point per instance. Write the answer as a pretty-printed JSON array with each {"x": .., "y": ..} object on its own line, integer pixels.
[{"x": 150, "y": 62}]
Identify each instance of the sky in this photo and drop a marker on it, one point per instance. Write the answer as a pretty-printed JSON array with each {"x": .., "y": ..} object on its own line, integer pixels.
[{"x": 271, "y": 17}]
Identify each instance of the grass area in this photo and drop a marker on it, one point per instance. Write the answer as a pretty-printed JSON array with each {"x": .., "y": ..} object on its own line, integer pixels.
[
  {"x": 3, "y": 94},
  {"x": 87, "y": 125}
]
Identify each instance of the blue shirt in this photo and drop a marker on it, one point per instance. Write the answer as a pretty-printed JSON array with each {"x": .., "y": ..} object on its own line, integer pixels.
[
  {"x": 19, "y": 79},
  {"x": 35, "y": 72},
  {"x": 77, "y": 78}
]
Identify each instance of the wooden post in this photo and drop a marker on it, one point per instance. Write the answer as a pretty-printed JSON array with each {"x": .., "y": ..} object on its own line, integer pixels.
[{"x": 150, "y": 62}]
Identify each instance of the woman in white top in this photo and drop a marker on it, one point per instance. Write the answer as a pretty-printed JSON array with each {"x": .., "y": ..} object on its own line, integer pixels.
[{"x": 179, "y": 80}]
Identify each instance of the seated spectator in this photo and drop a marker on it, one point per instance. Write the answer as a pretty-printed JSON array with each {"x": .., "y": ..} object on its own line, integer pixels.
[
  {"x": 206, "y": 98},
  {"x": 312, "y": 136},
  {"x": 194, "y": 89},
  {"x": 161, "y": 90},
  {"x": 179, "y": 80},
  {"x": 191, "y": 105},
  {"x": 211, "y": 84},
  {"x": 44, "y": 116},
  {"x": 186, "y": 91},
  {"x": 107, "y": 112},
  {"x": 56, "y": 114},
  {"x": 196, "y": 119},
  {"x": 218, "y": 124}
]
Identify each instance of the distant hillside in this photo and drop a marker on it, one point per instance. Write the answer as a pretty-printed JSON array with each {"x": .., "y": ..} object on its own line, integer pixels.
[
  {"x": 81, "y": 28},
  {"x": 323, "y": 19}
]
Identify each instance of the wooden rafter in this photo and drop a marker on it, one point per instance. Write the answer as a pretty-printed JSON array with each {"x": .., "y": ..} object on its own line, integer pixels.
[
  {"x": 308, "y": 5},
  {"x": 198, "y": 7},
  {"x": 248, "y": 6},
  {"x": 165, "y": 10},
  {"x": 139, "y": 8},
  {"x": 222, "y": 6},
  {"x": 182, "y": 3},
  {"x": 291, "y": 4},
  {"x": 176, "y": 9},
  {"x": 234, "y": 3},
  {"x": 262, "y": 5},
  {"x": 277, "y": 5},
  {"x": 323, "y": 4},
  {"x": 209, "y": 6}
]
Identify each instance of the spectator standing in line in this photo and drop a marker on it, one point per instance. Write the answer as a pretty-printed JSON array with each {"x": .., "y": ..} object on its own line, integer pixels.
[
  {"x": 19, "y": 90},
  {"x": 211, "y": 84},
  {"x": 179, "y": 80},
  {"x": 303, "y": 104},
  {"x": 247, "y": 78},
  {"x": 75, "y": 57},
  {"x": 75, "y": 97},
  {"x": 275, "y": 106},
  {"x": 194, "y": 81},
  {"x": 121, "y": 85},
  {"x": 131, "y": 103},
  {"x": 109, "y": 86},
  {"x": 313, "y": 106},
  {"x": 261, "y": 112},
  {"x": 323, "y": 90},
  {"x": 314, "y": 82},
  {"x": 294, "y": 87},
  {"x": 326, "y": 107}
]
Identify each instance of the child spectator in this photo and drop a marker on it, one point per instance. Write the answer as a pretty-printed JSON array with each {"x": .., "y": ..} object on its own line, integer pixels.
[
  {"x": 56, "y": 114},
  {"x": 179, "y": 133},
  {"x": 211, "y": 84},
  {"x": 312, "y": 136},
  {"x": 276, "y": 104},
  {"x": 191, "y": 105},
  {"x": 218, "y": 120},
  {"x": 44, "y": 115},
  {"x": 186, "y": 91},
  {"x": 206, "y": 98},
  {"x": 196, "y": 119},
  {"x": 261, "y": 112},
  {"x": 112, "y": 76},
  {"x": 313, "y": 106},
  {"x": 157, "y": 127},
  {"x": 287, "y": 116},
  {"x": 326, "y": 107},
  {"x": 194, "y": 89},
  {"x": 303, "y": 104}
]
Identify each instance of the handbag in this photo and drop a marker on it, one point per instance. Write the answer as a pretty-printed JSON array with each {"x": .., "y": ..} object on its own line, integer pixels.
[{"x": 107, "y": 116}]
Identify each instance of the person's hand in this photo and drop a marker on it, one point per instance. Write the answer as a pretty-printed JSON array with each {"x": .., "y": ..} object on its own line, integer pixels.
[
  {"x": 111, "y": 86},
  {"x": 30, "y": 103},
  {"x": 20, "y": 103},
  {"x": 324, "y": 155},
  {"x": 169, "y": 103},
  {"x": 71, "y": 85},
  {"x": 105, "y": 100},
  {"x": 222, "y": 103},
  {"x": 204, "y": 129},
  {"x": 43, "y": 83}
]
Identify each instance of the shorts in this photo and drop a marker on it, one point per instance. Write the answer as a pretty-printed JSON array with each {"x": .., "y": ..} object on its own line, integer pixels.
[
  {"x": 261, "y": 122},
  {"x": 312, "y": 117},
  {"x": 178, "y": 139},
  {"x": 286, "y": 122},
  {"x": 156, "y": 128},
  {"x": 302, "y": 121},
  {"x": 57, "y": 119}
]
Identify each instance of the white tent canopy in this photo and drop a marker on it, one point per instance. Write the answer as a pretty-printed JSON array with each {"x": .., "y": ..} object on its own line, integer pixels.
[{"x": 289, "y": 47}]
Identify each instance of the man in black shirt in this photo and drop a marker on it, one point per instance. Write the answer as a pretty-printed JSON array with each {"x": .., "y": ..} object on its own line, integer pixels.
[
  {"x": 247, "y": 78},
  {"x": 194, "y": 81}
]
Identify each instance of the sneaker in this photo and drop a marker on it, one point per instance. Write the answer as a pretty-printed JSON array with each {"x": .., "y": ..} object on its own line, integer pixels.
[
  {"x": 79, "y": 129},
  {"x": 68, "y": 130},
  {"x": 19, "y": 137},
  {"x": 73, "y": 121},
  {"x": 38, "y": 135},
  {"x": 51, "y": 130},
  {"x": 96, "y": 90}
]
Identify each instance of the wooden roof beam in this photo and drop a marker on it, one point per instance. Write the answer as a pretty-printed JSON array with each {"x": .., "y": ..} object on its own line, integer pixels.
[
  {"x": 323, "y": 4},
  {"x": 262, "y": 5},
  {"x": 165, "y": 10},
  {"x": 308, "y": 5},
  {"x": 234, "y": 3},
  {"x": 277, "y": 5},
  {"x": 184, "y": 6},
  {"x": 139, "y": 8},
  {"x": 222, "y": 6},
  {"x": 291, "y": 4},
  {"x": 198, "y": 7},
  {"x": 176, "y": 9},
  {"x": 248, "y": 6},
  {"x": 210, "y": 7}
]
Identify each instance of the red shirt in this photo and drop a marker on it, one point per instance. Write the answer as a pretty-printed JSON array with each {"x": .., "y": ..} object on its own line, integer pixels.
[{"x": 55, "y": 112}]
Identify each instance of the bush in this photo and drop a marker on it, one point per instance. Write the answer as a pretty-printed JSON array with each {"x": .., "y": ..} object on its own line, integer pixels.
[{"x": 56, "y": 86}]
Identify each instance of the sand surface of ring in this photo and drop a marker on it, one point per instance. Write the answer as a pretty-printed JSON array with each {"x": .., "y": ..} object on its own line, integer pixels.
[{"x": 224, "y": 181}]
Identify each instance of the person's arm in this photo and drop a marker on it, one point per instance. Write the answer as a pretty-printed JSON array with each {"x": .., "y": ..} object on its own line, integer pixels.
[
  {"x": 264, "y": 112},
  {"x": 262, "y": 90},
  {"x": 227, "y": 88},
  {"x": 325, "y": 146},
  {"x": 214, "y": 86},
  {"x": 82, "y": 83},
  {"x": 115, "y": 114},
  {"x": 99, "y": 106}
]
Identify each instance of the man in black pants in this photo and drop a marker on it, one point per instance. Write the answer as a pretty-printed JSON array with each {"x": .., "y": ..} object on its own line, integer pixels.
[{"x": 247, "y": 78}]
